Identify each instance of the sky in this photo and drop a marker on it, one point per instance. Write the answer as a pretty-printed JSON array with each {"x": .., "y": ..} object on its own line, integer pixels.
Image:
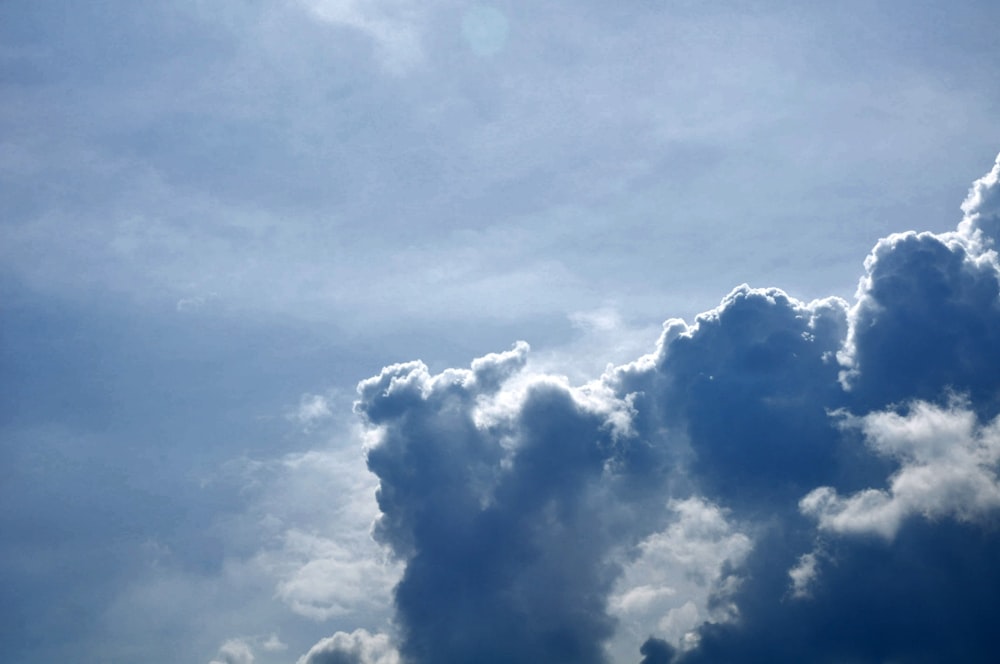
[{"x": 396, "y": 332}]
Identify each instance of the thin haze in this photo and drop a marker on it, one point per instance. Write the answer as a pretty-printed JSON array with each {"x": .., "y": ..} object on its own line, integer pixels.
[{"x": 219, "y": 221}]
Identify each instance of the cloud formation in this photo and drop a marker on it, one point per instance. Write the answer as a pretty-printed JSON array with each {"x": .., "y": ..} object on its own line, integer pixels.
[
  {"x": 357, "y": 647},
  {"x": 947, "y": 468},
  {"x": 778, "y": 481},
  {"x": 234, "y": 651}
]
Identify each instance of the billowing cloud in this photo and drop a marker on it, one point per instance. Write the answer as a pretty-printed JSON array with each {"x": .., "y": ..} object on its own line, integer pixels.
[
  {"x": 777, "y": 481},
  {"x": 666, "y": 588},
  {"x": 507, "y": 526},
  {"x": 357, "y": 647},
  {"x": 947, "y": 469},
  {"x": 982, "y": 208}
]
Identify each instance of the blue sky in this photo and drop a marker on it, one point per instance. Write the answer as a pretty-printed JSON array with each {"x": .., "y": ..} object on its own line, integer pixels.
[{"x": 218, "y": 217}]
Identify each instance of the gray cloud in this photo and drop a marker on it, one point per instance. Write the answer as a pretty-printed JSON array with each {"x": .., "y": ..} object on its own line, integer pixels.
[
  {"x": 536, "y": 519},
  {"x": 234, "y": 651}
]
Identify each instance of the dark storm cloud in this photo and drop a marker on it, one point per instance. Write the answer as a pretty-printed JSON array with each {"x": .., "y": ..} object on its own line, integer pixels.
[
  {"x": 749, "y": 384},
  {"x": 857, "y": 443},
  {"x": 506, "y": 514},
  {"x": 657, "y": 651},
  {"x": 902, "y": 566}
]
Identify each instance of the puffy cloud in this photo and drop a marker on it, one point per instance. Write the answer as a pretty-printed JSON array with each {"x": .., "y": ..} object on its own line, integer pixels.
[
  {"x": 927, "y": 315},
  {"x": 234, "y": 651},
  {"x": 749, "y": 382},
  {"x": 948, "y": 469},
  {"x": 920, "y": 477},
  {"x": 982, "y": 208},
  {"x": 506, "y": 526},
  {"x": 706, "y": 500},
  {"x": 666, "y": 588},
  {"x": 357, "y": 647}
]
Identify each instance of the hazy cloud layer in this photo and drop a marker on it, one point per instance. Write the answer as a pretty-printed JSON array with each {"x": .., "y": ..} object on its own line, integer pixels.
[{"x": 778, "y": 481}]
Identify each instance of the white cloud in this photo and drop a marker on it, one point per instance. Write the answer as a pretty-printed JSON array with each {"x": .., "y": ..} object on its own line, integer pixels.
[
  {"x": 947, "y": 469},
  {"x": 641, "y": 598},
  {"x": 274, "y": 644},
  {"x": 982, "y": 208},
  {"x": 312, "y": 409},
  {"x": 803, "y": 574},
  {"x": 682, "y": 620},
  {"x": 665, "y": 590},
  {"x": 314, "y": 510},
  {"x": 321, "y": 578},
  {"x": 357, "y": 647},
  {"x": 234, "y": 651}
]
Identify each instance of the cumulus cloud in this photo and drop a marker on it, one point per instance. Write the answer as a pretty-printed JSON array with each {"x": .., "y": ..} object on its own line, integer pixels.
[
  {"x": 234, "y": 651},
  {"x": 506, "y": 526},
  {"x": 707, "y": 502},
  {"x": 982, "y": 208},
  {"x": 947, "y": 468},
  {"x": 357, "y": 647},
  {"x": 666, "y": 588}
]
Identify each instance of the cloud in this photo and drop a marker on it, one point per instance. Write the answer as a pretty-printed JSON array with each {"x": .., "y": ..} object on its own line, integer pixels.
[
  {"x": 803, "y": 574},
  {"x": 357, "y": 647},
  {"x": 748, "y": 383},
  {"x": 505, "y": 527},
  {"x": 318, "y": 573},
  {"x": 927, "y": 315},
  {"x": 666, "y": 588},
  {"x": 947, "y": 468},
  {"x": 982, "y": 208},
  {"x": 657, "y": 651},
  {"x": 234, "y": 651},
  {"x": 321, "y": 578},
  {"x": 392, "y": 24},
  {"x": 312, "y": 409},
  {"x": 715, "y": 492},
  {"x": 915, "y": 471},
  {"x": 274, "y": 644}
]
